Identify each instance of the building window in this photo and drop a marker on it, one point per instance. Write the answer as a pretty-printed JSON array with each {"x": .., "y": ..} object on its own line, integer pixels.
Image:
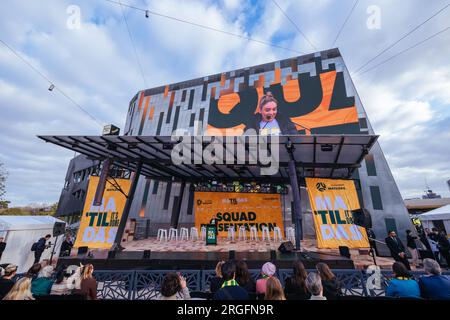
[
  {"x": 370, "y": 165},
  {"x": 390, "y": 225},
  {"x": 376, "y": 197},
  {"x": 363, "y": 123}
]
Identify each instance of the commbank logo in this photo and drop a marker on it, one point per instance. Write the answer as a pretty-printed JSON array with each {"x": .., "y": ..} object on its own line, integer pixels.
[{"x": 321, "y": 186}]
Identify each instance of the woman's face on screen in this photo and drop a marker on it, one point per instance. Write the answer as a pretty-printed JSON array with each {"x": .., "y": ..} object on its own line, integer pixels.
[{"x": 269, "y": 111}]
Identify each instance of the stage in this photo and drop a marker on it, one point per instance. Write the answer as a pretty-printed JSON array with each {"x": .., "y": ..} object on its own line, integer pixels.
[{"x": 198, "y": 256}]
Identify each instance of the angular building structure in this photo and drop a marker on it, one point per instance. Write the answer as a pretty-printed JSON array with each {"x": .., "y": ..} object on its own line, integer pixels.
[{"x": 317, "y": 94}]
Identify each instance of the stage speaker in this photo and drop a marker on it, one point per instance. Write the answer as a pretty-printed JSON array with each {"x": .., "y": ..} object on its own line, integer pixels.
[
  {"x": 361, "y": 217},
  {"x": 231, "y": 254},
  {"x": 344, "y": 251},
  {"x": 112, "y": 254},
  {"x": 82, "y": 250},
  {"x": 147, "y": 254},
  {"x": 59, "y": 228},
  {"x": 286, "y": 247}
]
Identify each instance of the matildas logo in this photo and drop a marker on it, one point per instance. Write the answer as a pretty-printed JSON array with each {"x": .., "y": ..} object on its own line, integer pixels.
[{"x": 321, "y": 186}]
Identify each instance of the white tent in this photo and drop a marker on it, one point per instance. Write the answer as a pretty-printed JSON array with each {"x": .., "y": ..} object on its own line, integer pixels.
[
  {"x": 20, "y": 232},
  {"x": 442, "y": 213}
]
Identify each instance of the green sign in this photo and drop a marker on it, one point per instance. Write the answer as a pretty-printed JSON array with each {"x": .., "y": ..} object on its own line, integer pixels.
[{"x": 211, "y": 237}]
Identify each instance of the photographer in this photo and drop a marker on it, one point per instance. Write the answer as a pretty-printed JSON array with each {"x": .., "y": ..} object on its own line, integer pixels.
[{"x": 39, "y": 247}]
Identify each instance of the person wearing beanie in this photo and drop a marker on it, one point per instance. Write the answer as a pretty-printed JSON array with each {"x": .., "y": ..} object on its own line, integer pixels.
[{"x": 267, "y": 271}]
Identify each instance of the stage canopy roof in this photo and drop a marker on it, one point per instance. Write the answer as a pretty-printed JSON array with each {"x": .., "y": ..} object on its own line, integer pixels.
[{"x": 322, "y": 156}]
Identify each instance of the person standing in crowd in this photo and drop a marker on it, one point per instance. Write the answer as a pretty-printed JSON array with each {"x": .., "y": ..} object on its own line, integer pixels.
[
  {"x": 444, "y": 247},
  {"x": 39, "y": 247},
  {"x": 397, "y": 249},
  {"x": 230, "y": 289},
  {"x": 402, "y": 285},
  {"x": 243, "y": 277},
  {"x": 171, "y": 285},
  {"x": 268, "y": 270},
  {"x": 217, "y": 281},
  {"x": 314, "y": 285},
  {"x": 330, "y": 284},
  {"x": 42, "y": 285},
  {"x": 433, "y": 240},
  {"x": 2, "y": 246},
  {"x": 423, "y": 238},
  {"x": 412, "y": 247},
  {"x": 295, "y": 288},
  {"x": 6, "y": 282},
  {"x": 372, "y": 237},
  {"x": 21, "y": 290},
  {"x": 66, "y": 247},
  {"x": 88, "y": 285},
  {"x": 274, "y": 290},
  {"x": 434, "y": 285}
]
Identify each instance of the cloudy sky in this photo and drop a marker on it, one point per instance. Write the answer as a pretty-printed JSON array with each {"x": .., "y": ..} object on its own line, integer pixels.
[{"x": 407, "y": 99}]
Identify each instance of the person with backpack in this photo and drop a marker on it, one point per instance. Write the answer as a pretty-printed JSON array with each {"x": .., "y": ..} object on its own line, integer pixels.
[{"x": 39, "y": 247}]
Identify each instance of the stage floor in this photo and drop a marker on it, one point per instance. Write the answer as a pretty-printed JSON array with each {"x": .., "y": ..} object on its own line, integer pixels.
[{"x": 359, "y": 257}]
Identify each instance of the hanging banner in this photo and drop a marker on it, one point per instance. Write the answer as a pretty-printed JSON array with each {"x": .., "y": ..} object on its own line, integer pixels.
[
  {"x": 331, "y": 203},
  {"x": 99, "y": 224},
  {"x": 233, "y": 210}
]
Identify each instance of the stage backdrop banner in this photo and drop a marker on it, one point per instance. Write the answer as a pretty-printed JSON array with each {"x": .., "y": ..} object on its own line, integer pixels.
[
  {"x": 331, "y": 203},
  {"x": 233, "y": 210},
  {"x": 99, "y": 224}
]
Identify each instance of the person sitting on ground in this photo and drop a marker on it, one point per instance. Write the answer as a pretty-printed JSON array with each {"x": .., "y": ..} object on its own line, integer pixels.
[
  {"x": 267, "y": 271},
  {"x": 274, "y": 290},
  {"x": 6, "y": 282},
  {"x": 330, "y": 284},
  {"x": 217, "y": 281},
  {"x": 314, "y": 284},
  {"x": 295, "y": 288},
  {"x": 402, "y": 286},
  {"x": 171, "y": 285},
  {"x": 33, "y": 272},
  {"x": 43, "y": 283},
  {"x": 230, "y": 289},
  {"x": 243, "y": 277},
  {"x": 434, "y": 285},
  {"x": 21, "y": 290},
  {"x": 88, "y": 284},
  {"x": 65, "y": 282}
]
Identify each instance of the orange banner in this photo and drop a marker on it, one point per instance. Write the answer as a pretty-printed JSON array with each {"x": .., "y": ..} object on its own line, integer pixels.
[
  {"x": 331, "y": 203},
  {"x": 99, "y": 224},
  {"x": 233, "y": 210}
]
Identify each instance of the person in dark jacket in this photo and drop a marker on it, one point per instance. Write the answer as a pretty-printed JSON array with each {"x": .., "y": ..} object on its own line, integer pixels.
[
  {"x": 6, "y": 282},
  {"x": 243, "y": 277},
  {"x": 66, "y": 247},
  {"x": 40, "y": 247},
  {"x": 397, "y": 249},
  {"x": 444, "y": 247},
  {"x": 269, "y": 121},
  {"x": 2, "y": 246},
  {"x": 295, "y": 288},
  {"x": 372, "y": 237},
  {"x": 217, "y": 281},
  {"x": 331, "y": 286},
  {"x": 230, "y": 289},
  {"x": 412, "y": 247},
  {"x": 434, "y": 285}
]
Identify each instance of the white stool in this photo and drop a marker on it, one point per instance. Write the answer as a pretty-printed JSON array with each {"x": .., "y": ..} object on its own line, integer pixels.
[
  {"x": 290, "y": 234},
  {"x": 184, "y": 233},
  {"x": 162, "y": 233},
  {"x": 203, "y": 232},
  {"x": 242, "y": 233},
  {"x": 194, "y": 233},
  {"x": 253, "y": 234},
  {"x": 265, "y": 232},
  {"x": 277, "y": 234},
  {"x": 173, "y": 233},
  {"x": 231, "y": 233}
]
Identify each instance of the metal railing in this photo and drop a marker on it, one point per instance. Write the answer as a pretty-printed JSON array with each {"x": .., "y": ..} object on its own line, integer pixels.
[{"x": 146, "y": 284}]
